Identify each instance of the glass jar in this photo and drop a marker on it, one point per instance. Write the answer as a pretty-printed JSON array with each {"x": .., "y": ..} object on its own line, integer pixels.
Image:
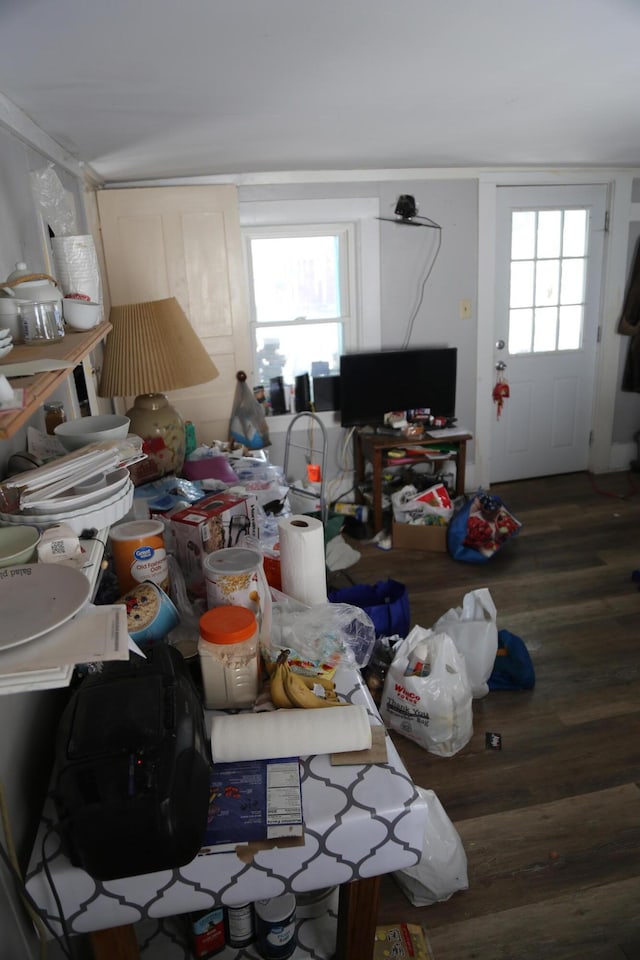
[
  {"x": 54, "y": 415},
  {"x": 228, "y": 653},
  {"x": 41, "y": 321}
]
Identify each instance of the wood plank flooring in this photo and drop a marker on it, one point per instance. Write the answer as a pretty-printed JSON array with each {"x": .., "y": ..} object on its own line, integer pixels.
[{"x": 551, "y": 823}]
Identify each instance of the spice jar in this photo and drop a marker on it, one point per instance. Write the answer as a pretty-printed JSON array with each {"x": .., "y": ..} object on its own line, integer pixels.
[
  {"x": 54, "y": 415},
  {"x": 228, "y": 652}
]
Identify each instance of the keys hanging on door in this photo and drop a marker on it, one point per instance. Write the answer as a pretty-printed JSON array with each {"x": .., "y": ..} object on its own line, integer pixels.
[{"x": 501, "y": 389}]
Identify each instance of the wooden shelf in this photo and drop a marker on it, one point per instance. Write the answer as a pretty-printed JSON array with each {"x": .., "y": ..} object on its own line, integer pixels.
[{"x": 73, "y": 349}]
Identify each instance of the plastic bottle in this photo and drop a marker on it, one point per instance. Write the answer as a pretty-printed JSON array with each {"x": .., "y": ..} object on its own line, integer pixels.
[
  {"x": 238, "y": 925},
  {"x": 228, "y": 652}
]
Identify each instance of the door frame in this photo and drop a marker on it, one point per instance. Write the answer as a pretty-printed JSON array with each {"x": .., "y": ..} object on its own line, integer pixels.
[{"x": 613, "y": 284}]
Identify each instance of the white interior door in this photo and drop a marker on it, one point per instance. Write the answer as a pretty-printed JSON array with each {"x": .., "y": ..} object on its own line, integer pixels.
[
  {"x": 549, "y": 257},
  {"x": 185, "y": 242}
]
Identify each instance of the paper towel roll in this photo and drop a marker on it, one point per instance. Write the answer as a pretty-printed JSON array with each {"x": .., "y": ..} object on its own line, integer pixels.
[
  {"x": 289, "y": 733},
  {"x": 302, "y": 559}
]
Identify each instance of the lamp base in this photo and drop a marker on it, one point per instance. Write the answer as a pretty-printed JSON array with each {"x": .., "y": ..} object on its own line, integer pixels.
[{"x": 162, "y": 431}]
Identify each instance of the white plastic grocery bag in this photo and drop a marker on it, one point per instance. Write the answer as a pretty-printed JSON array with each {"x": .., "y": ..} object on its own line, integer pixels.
[
  {"x": 427, "y": 694},
  {"x": 473, "y": 629},
  {"x": 442, "y": 868}
]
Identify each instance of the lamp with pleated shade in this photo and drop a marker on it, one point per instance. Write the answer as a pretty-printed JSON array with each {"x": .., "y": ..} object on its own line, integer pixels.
[{"x": 151, "y": 348}]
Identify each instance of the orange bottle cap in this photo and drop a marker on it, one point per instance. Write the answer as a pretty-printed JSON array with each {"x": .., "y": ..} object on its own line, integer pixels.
[{"x": 228, "y": 624}]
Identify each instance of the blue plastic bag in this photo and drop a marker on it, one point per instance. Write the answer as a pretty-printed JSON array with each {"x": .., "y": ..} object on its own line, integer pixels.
[
  {"x": 513, "y": 667},
  {"x": 386, "y": 603},
  {"x": 480, "y": 528}
]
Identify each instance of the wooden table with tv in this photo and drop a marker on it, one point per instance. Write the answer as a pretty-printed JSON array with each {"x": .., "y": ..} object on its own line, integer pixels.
[{"x": 374, "y": 448}]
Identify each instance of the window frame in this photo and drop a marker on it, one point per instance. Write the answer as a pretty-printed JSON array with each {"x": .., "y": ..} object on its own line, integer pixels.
[{"x": 357, "y": 218}]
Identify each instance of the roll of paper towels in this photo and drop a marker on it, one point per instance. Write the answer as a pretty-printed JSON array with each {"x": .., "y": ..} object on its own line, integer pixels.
[
  {"x": 302, "y": 559},
  {"x": 289, "y": 733}
]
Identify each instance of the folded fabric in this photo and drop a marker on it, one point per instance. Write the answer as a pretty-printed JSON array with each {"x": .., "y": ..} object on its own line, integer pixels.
[{"x": 289, "y": 733}]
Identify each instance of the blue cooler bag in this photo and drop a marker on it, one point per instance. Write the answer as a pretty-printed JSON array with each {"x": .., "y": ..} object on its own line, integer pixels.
[{"x": 386, "y": 603}]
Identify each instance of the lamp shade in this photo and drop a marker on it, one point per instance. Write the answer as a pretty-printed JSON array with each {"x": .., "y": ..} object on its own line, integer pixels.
[{"x": 151, "y": 348}]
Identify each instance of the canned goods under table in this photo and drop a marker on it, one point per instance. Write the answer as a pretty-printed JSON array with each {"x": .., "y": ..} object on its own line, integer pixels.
[{"x": 361, "y": 821}]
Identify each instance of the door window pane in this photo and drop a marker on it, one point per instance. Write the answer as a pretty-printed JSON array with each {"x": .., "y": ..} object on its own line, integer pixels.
[
  {"x": 520, "y": 331},
  {"x": 523, "y": 235},
  {"x": 549, "y": 233},
  {"x": 544, "y": 335},
  {"x": 570, "y": 328},
  {"x": 574, "y": 240},
  {"x": 521, "y": 284},
  {"x": 547, "y": 280},
  {"x": 572, "y": 287}
]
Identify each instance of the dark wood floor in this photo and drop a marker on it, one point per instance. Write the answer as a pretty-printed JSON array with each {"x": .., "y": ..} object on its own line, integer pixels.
[{"x": 551, "y": 823}]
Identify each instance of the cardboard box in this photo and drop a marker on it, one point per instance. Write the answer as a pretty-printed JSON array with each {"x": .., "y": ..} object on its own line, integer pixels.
[
  {"x": 221, "y": 520},
  {"x": 415, "y": 536}
]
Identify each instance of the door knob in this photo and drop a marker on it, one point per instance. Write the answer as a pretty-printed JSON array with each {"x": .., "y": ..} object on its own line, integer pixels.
[{"x": 501, "y": 365}]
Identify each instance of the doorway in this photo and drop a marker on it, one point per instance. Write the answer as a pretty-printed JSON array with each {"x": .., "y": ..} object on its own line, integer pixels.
[{"x": 548, "y": 270}]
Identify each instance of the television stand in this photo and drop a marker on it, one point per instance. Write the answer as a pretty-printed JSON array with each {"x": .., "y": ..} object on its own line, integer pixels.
[{"x": 374, "y": 447}]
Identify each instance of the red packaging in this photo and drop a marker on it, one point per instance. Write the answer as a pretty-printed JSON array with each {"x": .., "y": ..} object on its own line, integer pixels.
[
  {"x": 221, "y": 520},
  {"x": 207, "y": 933}
]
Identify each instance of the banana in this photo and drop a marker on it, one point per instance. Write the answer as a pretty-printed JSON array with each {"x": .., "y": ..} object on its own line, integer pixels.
[
  {"x": 278, "y": 692},
  {"x": 299, "y": 693},
  {"x": 311, "y": 682}
]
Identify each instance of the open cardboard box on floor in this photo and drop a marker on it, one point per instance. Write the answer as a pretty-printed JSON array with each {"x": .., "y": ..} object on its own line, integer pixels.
[{"x": 416, "y": 536}]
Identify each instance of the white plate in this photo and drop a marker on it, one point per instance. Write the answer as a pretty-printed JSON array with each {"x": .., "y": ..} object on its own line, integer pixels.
[
  {"x": 98, "y": 516},
  {"x": 115, "y": 481},
  {"x": 38, "y": 597}
]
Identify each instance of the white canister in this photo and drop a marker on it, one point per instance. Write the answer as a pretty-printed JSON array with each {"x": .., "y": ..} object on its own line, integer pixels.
[
  {"x": 229, "y": 661},
  {"x": 235, "y": 575}
]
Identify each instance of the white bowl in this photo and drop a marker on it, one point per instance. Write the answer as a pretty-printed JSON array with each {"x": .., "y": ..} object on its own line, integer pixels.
[
  {"x": 18, "y": 544},
  {"x": 78, "y": 433},
  {"x": 81, "y": 314}
]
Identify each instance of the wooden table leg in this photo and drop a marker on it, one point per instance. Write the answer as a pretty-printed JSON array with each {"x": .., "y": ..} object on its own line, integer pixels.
[
  {"x": 357, "y": 919},
  {"x": 116, "y": 943},
  {"x": 461, "y": 466},
  {"x": 376, "y": 460}
]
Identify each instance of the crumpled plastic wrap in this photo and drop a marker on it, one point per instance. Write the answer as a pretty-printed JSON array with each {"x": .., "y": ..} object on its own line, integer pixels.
[
  {"x": 57, "y": 204},
  {"x": 320, "y": 638}
]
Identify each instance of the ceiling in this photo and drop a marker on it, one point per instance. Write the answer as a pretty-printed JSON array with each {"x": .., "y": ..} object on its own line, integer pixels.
[{"x": 147, "y": 89}]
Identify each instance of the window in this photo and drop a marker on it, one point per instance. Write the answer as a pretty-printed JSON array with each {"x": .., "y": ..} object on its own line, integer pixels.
[
  {"x": 547, "y": 281},
  {"x": 313, "y": 271},
  {"x": 301, "y": 299}
]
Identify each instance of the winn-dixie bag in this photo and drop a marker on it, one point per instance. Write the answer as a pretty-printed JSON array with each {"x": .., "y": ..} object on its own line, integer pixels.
[
  {"x": 472, "y": 627},
  {"x": 427, "y": 694},
  {"x": 480, "y": 528}
]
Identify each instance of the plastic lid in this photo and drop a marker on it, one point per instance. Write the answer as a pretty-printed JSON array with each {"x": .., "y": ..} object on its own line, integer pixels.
[
  {"x": 232, "y": 560},
  {"x": 228, "y": 624},
  {"x": 134, "y": 529},
  {"x": 277, "y": 909}
]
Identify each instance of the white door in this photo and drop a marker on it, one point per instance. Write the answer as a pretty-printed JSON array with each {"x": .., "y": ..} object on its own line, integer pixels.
[
  {"x": 549, "y": 257},
  {"x": 185, "y": 242}
]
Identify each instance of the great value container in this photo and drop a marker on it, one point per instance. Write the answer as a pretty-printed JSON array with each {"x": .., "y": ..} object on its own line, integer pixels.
[
  {"x": 228, "y": 652},
  {"x": 139, "y": 553},
  {"x": 276, "y": 927}
]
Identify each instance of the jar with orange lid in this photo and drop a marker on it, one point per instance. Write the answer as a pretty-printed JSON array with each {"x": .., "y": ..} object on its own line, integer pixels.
[{"x": 229, "y": 657}]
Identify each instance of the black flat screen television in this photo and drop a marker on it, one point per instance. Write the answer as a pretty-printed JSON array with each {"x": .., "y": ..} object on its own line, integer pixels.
[{"x": 372, "y": 384}]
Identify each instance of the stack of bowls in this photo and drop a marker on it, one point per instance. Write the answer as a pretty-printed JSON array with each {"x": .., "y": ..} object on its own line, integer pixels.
[{"x": 6, "y": 342}]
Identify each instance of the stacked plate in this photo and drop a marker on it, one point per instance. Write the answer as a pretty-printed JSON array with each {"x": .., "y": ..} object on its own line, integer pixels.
[
  {"x": 6, "y": 342},
  {"x": 83, "y": 512}
]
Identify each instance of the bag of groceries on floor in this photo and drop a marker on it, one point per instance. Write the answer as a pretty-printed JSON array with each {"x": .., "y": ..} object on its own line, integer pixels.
[
  {"x": 473, "y": 629},
  {"x": 479, "y": 528},
  {"x": 442, "y": 868},
  {"x": 427, "y": 694}
]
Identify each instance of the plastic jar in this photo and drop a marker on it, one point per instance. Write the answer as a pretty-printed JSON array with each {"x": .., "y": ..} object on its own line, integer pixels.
[
  {"x": 276, "y": 927},
  {"x": 233, "y": 575},
  {"x": 228, "y": 652}
]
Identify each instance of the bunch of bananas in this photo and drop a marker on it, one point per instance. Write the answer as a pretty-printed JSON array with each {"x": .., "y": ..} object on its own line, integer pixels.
[{"x": 289, "y": 689}]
